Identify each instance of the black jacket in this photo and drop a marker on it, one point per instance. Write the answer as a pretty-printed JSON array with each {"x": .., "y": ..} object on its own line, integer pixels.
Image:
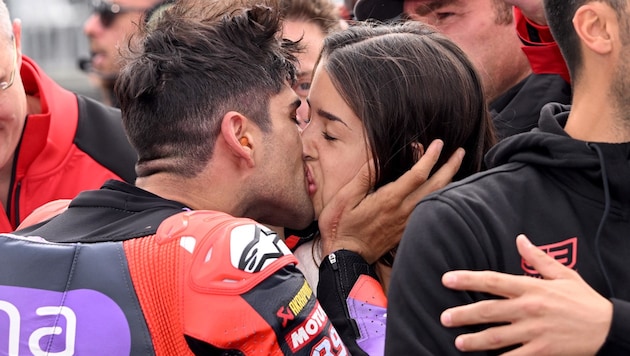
[
  {"x": 571, "y": 198},
  {"x": 518, "y": 109}
]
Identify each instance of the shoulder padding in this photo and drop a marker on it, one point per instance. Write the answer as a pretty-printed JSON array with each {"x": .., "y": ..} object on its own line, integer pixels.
[
  {"x": 45, "y": 212},
  {"x": 229, "y": 255}
]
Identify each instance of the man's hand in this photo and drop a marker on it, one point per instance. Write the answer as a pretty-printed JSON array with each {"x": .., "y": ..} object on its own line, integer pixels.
[
  {"x": 558, "y": 315},
  {"x": 372, "y": 224},
  {"x": 532, "y": 9}
]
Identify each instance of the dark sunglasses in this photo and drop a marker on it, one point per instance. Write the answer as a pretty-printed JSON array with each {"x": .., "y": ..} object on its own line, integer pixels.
[{"x": 108, "y": 11}]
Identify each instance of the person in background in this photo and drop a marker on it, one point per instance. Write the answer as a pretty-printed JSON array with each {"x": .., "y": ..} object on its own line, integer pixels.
[
  {"x": 53, "y": 143},
  {"x": 309, "y": 21},
  {"x": 486, "y": 31},
  {"x": 108, "y": 30},
  {"x": 565, "y": 187}
]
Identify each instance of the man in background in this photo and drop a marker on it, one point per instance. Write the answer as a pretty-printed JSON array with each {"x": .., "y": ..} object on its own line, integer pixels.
[
  {"x": 108, "y": 30},
  {"x": 53, "y": 143},
  {"x": 485, "y": 30},
  {"x": 309, "y": 21}
]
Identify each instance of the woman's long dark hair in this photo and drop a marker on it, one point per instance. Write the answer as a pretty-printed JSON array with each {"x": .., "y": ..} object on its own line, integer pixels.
[{"x": 409, "y": 84}]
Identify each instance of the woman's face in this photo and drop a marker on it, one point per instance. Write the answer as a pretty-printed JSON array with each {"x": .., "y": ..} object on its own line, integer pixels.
[{"x": 334, "y": 141}]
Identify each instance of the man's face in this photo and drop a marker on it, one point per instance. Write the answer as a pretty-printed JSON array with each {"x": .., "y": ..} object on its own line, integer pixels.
[
  {"x": 280, "y": 185},
  {"x": 12, "y": 101},
  {"x": 478, "y": 28},
  {"x": 313, "y": 41},
  {"x": 107, "y": 31}
]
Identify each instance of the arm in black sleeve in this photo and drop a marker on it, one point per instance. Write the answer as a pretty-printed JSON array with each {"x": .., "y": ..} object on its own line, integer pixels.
[{"x": 618, "y": 340}]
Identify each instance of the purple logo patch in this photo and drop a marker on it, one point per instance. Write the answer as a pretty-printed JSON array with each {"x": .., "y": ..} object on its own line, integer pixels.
[{"x": 41, "y": 322}]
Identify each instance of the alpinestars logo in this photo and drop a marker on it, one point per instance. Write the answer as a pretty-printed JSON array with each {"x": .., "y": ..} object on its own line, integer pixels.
[
  {"x": 254, "y": 247},
  {"x": 564, "y": 252}
]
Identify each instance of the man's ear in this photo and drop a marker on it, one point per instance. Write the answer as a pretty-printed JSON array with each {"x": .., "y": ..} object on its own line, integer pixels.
[
  {"x": 236, "y": 131},
  {"x": 17, "y": 32},
  {"x": 597, "y": 26}
]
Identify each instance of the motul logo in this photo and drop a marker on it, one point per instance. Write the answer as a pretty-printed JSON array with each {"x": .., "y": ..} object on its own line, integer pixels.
[{"x": 305, "y": 333}]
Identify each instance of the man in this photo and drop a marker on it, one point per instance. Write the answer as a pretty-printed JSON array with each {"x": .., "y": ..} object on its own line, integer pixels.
[
  {"x": 565, "y": 187},
  {"x": 108, "y": 30},
  {"x": 161, "y": 267},
  {"x": 485, "y": 30},
  {"x": 53, "y": 143},
  {"x": 310, "y": 22}
]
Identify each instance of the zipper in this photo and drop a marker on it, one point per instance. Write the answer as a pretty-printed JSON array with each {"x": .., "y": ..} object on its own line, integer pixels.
[
  {"x": 13, "y": 204},
  {"x": 332, "y": 258},
  {"x": 17, "y": 204}
]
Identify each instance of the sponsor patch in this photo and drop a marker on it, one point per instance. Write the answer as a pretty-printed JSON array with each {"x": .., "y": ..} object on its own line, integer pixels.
[
  {"x": 296, "y": 305},
  {"x": 254, "y": 247},
  {"x": 309, "y": 330},
  {"x": 564, "y": 252},
  {"x": 77, "y": 322}
]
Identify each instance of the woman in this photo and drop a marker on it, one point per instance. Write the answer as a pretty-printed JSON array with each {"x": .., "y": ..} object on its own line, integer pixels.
[{"x": 384, "y": 93}]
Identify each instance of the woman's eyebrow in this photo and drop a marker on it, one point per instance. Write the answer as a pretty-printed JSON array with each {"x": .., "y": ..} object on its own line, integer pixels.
[{"x": 331, "y": 117}]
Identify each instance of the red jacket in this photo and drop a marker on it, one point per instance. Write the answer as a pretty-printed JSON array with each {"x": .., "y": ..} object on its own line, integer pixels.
[
  {"x": 540, "y": 47},
  {"x": 75, "y": 144}
]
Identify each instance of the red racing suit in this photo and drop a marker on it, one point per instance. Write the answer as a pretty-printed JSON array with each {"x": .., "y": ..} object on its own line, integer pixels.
[{"x": 158, "y": 279}]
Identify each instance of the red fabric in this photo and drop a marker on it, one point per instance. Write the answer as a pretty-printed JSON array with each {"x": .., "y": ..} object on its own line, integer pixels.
[
  {"x": 187, "y": 284},
  {"x": 544, "y": 55},
  {"x": 292, "y": 241},
  {"x": 45, "y": 212},
  {"x": 206, "y": 289},
  {"x": 368, "y": 290},
  {"x": 50, "y": 166},
  {"x": 154, "y": 279}
]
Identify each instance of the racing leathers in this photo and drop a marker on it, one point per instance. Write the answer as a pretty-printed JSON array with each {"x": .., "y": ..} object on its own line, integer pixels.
[{"x": 123, "y": 271}]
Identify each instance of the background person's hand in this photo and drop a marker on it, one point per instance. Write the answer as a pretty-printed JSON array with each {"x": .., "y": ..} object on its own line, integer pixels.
[
  {"x": 372, "y": 224},
  {"x": 558, "y": 315}
]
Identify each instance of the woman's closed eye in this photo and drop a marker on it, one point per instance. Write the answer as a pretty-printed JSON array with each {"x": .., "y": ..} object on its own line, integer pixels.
[{"x": 327, "y": 137}]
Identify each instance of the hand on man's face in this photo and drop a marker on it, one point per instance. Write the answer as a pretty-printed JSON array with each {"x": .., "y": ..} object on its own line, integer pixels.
[{"x": 372, "y": 224}]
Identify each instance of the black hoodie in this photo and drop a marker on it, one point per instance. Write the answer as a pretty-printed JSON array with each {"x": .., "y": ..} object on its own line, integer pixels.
[{"x": 570, "y": 197}]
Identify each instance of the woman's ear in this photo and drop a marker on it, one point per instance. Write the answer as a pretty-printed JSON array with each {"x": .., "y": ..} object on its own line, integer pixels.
[
  {"x": 236, "y": 132},
  {"x": 418, "y": 151}
]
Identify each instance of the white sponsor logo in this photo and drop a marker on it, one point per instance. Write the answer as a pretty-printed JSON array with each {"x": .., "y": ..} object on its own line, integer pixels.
[
  {"x": 254, "y": 247},
  {"x": 311, "y": 327},
  {"x": 35, "y": 337}
]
